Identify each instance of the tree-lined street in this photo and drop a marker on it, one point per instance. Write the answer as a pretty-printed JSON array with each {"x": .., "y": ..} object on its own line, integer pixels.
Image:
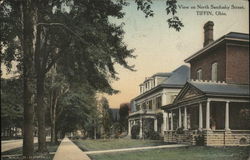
[{"x": 59, "y": 61}]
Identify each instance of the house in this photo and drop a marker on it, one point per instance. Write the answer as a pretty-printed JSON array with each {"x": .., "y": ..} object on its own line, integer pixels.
[
  {"x": 115, "y": 114},
  {"x": 156, "y": 91},
  {"x": 213, "y": 108}
]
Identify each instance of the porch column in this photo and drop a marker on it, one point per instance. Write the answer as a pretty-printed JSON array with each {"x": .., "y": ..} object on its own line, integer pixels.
[
  {"x": 140, "y": 133},
  {"x": 200, "y": 117},
  {"x": 172, "y": 121},
  {"x": 164, "y": 121},
  {"x": 167, "y": 121},
  {"x": 185, "y": 118},
  {"x": 129, "y": 128},
  {"x": 208, "y": 116},
  {"x": 180, "y": 125},
  {"x": 155, "y": 124},
  {"x": 227, "y": 116},
  {"x": 164, "y": 99}
]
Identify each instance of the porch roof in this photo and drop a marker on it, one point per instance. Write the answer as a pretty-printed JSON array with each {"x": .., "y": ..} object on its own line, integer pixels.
[
  {"x": 221, "y": 88},
  {"x": 194, "y": 91}
]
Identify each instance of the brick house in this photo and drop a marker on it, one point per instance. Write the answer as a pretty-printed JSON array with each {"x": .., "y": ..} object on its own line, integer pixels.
[{"x": 213, "y": 108}]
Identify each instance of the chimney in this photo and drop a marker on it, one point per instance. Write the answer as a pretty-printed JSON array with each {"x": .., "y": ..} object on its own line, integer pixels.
[{"x": 208, "y": 33}]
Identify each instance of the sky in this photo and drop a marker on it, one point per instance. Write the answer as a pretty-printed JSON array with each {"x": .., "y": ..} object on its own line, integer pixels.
[{"x": 160, "y": 49}]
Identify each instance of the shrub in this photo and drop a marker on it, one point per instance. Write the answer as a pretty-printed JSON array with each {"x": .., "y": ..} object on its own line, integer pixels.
[
  {"x": 199, "y": 140},
  {"x": 151, "y": 134},
  {"x": 180, "y": 130}
]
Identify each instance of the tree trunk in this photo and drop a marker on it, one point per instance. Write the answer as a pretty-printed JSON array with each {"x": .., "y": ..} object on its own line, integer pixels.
[
  {"x": 42, "y": 147},
  {"x": 53, "y": 116},
  {"x": 29, "y": 39}
]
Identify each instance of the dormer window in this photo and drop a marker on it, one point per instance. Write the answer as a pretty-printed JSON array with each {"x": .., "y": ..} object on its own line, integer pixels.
[
  {"x": 199, "y": 74},
  {"x": 214, "y": 71}
]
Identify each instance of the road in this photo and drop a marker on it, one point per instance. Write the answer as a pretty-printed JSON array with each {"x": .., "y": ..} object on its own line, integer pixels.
[{"x": 12, "y": 144}]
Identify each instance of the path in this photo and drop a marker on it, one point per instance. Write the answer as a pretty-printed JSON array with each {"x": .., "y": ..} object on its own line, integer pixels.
[
  {"x": 137, "y": 148},
  {"x": 67, "y": 150}
]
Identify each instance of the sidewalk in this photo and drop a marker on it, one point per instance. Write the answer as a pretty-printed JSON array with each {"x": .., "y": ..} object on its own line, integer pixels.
[
  {"x": 67, "y": 150},
  {"x": 137, "y": 148}
]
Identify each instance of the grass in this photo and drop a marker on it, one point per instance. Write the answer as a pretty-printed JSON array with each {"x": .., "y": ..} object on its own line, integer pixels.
[
  {"x": 16, "y": 154},
  {"x": 104, "y": 144},
  {"x": 184, "y": 153},
  {"x": 187, "y": 153}
]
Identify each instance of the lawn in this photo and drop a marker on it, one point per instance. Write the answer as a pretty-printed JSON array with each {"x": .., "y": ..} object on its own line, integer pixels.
[
  {"x": 104, "y": 144},
  {"x": 184, "y": 153},
  {"x": 17, "y": 152},
  {"x": 187, "y": 153}
]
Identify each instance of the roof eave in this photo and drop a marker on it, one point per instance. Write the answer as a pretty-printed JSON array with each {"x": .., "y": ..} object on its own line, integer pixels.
[{"x": 215, "y": 43}]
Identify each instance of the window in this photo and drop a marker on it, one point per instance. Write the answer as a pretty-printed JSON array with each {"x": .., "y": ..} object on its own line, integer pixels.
[
  {"x": 137, "y": 107},
  {"x": 141, "y": 88},
  {"x": 199, "y": 74},
  {"x": 158, "y": 102},
  {"x": 214, "y": 71},
  {"x": 144, "y": 106},
  {"x": 150, "y": 104}
]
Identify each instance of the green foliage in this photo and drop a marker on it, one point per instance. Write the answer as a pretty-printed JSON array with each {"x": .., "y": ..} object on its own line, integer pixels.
[
  {"x": 124, "y": 112},
  {"x": 77, "y": 105},
  {"x": 106, "y": 116},
  {"x": 135, "y": 131},
  {"x": 11, "y": 103}
]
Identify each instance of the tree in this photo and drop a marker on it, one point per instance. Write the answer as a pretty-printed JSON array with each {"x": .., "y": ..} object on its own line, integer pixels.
[
  {"x": 29, "y": 34},
  {"x": 106, "y": 115},
  {"x": 124, "y": 112},
  {"x": 96, "y": 48},
  {"x": 11, "y": 104},
  {"x": 77, "y": 105}
]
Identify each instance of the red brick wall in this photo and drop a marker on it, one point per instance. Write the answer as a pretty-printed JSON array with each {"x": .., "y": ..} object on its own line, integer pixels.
[
  {"x": 205, "y": 63},
  {"x": 237, "y": 68}
]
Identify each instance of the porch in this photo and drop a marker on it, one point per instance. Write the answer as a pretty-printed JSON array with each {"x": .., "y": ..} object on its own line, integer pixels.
[{"x": 198, "y": 118}]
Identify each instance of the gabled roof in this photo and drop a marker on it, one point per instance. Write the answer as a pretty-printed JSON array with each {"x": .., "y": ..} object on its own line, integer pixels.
[
  {"x": 199, "y": 88},
  {"x": 194, "y": 90},
  {"x": 230, "y": 36}
]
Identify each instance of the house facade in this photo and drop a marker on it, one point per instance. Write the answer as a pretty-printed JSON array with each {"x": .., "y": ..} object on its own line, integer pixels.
[
  {"x": 213, "y": 107},
  {"x": 155, "y": 92}
]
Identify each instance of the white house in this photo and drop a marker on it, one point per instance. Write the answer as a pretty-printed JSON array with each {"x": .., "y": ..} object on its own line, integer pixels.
[{"x": 156, "y": 91}]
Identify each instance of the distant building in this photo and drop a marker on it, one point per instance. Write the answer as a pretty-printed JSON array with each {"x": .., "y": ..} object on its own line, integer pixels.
[
  {"x": 155, "y": 92},
  {"x": 115, "y": 114},
  {"x": 213, "y": 108}
]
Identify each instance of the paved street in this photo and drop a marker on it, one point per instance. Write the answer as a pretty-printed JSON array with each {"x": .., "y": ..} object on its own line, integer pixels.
[{"x": 12, "y": 144}]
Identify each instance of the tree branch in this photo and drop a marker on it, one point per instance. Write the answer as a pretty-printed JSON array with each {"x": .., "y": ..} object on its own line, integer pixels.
[{"x": 65, "y": 27}]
